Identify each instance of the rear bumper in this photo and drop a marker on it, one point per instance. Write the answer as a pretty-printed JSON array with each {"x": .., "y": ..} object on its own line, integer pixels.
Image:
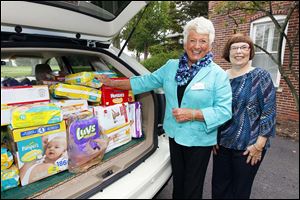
[{"x": 145, "y": 180}]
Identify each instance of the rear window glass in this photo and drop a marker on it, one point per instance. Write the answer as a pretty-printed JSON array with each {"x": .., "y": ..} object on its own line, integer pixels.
[
  {"x": 105, "y": 10},
  {"x": 19, "y": 67},
  {"x": 80, "y": 63}
]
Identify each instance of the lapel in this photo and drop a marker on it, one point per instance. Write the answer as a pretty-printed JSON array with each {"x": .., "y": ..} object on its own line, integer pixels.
[{"x": 199, "y": 76}]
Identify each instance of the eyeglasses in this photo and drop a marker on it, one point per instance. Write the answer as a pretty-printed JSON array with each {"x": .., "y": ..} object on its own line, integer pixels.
[
  {"x": 243, "y": 48},
  {"x": 200, "y": 42}
]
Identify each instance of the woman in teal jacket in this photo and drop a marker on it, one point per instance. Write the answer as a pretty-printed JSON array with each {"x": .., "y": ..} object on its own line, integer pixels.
[{"x": 198, "y": 100}]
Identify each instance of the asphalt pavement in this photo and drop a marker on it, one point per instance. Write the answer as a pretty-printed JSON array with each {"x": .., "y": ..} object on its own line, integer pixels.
[{"x": 277, "y": 177}]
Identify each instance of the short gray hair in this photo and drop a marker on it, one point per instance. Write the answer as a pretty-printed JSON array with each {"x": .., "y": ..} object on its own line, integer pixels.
[{"x": 202, "y": 26}]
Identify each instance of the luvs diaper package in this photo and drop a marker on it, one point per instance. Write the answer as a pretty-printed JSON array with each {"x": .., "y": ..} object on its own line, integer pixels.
[
  {"x": 86, "y": 146},
  {"x": 40, "y": 151}
]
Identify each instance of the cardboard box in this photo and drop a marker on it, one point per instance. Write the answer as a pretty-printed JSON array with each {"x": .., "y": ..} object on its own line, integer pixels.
[
  {"x": 117, "y": 136},
  {"x": 19, "y": 95},
  {"x": 6, "y": 114},
  {"x": 69, "y": 107},
  {"x": 40, "y": 151}
]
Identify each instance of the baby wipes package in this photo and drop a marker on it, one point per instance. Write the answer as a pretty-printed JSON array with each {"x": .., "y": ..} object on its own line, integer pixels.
[
  {"x": 40, "y": 151},
  {"x": 61, "y": 90},
  {"x": 86, "y": 146},
  {"x": 135, "y": 117},
  {"x": 83, "y": 78},
  {"x": 114, "y": 123},
  {"x": 35, "y": 115},
  {"x": 112, "y": 116}
]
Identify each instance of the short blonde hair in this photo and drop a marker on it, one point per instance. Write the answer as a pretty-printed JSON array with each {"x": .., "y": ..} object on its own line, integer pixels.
[{"x": 202, "y": 26}]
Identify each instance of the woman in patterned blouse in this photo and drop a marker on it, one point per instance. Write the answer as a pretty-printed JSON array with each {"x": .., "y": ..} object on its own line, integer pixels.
[{"x": 243, "y": 140}]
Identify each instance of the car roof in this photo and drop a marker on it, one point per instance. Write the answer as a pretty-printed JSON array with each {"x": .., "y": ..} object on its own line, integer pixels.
[{"x": 69, "y": 20}]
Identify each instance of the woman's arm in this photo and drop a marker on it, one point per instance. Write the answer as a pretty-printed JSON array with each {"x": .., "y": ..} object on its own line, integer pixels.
[{"x": 121, "y": 84}]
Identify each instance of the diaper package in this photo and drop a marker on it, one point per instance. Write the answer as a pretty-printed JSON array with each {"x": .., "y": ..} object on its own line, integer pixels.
[
  {"x": 6, "y": 158},
  {"x": 9, "y": 178},
  {"x": 83, "y": 78},
  {"x": 61, "y": 90},
  {"x": 109, "y": 73},
  {"x": 86, "y": 146},
  {"x": 35, "y": 115},
  {"x": 40, "y": 151}
]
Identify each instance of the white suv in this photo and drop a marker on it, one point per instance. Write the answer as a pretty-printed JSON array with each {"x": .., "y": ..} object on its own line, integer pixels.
[{"x": 75, "y": 36}]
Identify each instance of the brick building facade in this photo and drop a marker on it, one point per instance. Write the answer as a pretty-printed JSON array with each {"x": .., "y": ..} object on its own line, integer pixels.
[{"x": 224, "y": 26}]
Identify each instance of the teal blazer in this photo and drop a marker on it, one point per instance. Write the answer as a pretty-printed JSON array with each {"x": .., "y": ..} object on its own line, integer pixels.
[{"x": 209, "y": 91}]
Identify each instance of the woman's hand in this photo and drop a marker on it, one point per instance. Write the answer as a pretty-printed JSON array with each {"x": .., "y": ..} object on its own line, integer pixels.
[
  {"x": 104, "y": 79},
  {"x": 215, "y": 149},
  {"x": 254, "y": 155},
  {"x": 183, "y": 114}
]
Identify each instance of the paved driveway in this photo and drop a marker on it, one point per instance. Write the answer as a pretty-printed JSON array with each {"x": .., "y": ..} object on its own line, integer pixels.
[{"x": 277, "y": 178}]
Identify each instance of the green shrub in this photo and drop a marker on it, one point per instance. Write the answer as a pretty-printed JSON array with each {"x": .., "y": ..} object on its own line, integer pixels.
[{"x": 159, "y": 60}]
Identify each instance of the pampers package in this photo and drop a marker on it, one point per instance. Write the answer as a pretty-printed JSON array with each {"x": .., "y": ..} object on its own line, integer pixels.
[
  {"x": 61, "y": 90},
  {"x": 86, "y": 146},
  {"x": 83, "y": 78},
  {"x": 35, "y": 115},
  {"x": 40, "y": 151}
]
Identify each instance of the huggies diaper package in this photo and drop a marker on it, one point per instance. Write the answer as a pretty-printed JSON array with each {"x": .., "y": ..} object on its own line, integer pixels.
[
  {"x": 35, "y": 115},
  {"x": 86, "y": 146},
  {"x": 40, "y": 151}
]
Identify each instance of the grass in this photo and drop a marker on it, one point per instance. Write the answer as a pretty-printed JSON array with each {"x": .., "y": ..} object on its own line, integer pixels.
[
  {"x": 19, "y": 71},
  {"x": 16, "y": 71}
]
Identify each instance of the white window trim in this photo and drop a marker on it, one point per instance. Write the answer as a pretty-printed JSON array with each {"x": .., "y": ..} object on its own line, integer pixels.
[{"x": 266, "y": 20}]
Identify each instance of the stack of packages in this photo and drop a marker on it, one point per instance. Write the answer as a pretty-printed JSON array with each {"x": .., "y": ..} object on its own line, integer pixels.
[
  {"x": 35, "y": 126},
  {"x": 71, "y": 130},
  {"x": 119, "y": 116},
  {"x": 86, "y": 144}
]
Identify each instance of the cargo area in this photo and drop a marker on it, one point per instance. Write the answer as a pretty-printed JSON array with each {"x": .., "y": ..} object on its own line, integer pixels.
[{"x": 19, "y": 69}]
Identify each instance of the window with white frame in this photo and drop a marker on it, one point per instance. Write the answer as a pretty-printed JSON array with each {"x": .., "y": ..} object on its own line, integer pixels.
[{"x": 265, "y": 35}]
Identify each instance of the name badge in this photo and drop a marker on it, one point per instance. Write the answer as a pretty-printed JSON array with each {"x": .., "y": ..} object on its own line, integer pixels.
[{"x": 198, "y": 86}]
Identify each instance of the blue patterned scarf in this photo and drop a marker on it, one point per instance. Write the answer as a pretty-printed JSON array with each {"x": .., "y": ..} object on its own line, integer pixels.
[{"x": 185, "y": 74}]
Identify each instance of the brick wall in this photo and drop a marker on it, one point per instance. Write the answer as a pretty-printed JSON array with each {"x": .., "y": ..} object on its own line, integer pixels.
[{"x": 224, "y": 26}]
